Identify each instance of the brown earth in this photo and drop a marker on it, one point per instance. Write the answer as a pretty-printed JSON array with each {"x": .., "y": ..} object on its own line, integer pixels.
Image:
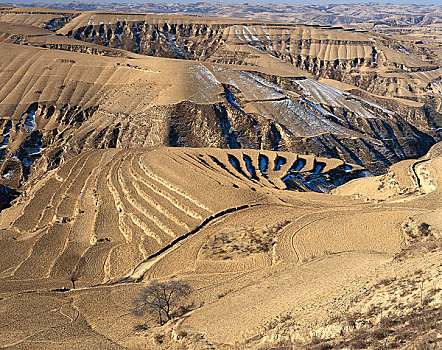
[
  {"x": 264, "y": 204},
  {"x": 108, "y": 221},
  {"x": 74, "y": 81}
]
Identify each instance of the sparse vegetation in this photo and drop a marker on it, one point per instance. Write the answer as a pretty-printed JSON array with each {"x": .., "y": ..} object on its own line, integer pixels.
[
  {"x": 397, "y": 311},
  {"x": 235, "y": 243},
  {"x": 159, "y": 338},
  {"x": 139, "y": 146},
  {"x": 419, "y": 247},
  {"x": 309, "y": 258},
  {"x": 416, "y": 230},
  {"x": 141, "y": 327},
  {"x": 279, "y": 345},
  {"x": 224, "y": 293},
  {"x": 415, "y": 330}
]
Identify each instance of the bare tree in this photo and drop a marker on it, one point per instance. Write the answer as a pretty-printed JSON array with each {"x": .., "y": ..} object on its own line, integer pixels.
[
  {"x": 74, "y": 275},
  {"x": 161, "y": 299}
]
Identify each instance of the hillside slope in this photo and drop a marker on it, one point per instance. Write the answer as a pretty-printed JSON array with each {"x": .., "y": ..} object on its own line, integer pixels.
[
  {"x": 237, "y": 155},
  {"x": 108, "y": 221},
  {"x": 241, "y": 85}
]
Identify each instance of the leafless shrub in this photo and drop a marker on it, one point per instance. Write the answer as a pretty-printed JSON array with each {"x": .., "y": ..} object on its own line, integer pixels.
[
  {"x": 280, "y": 345},
  {"x": 224, "y": 293},
  {"x": 235, "y": 243},
  {"x": 309, "y": 258},
  {"x": 433, "y": 246},
  {"x": 76, "y": 268},
  {"x": 317, "y": 343},
  {"x": 386, "y": 281},
  {"x": 428, "y": 298},
  {"x": 161, "y": 299},
  {"x": 430, "y": 245},
  {"x": 159, "y": 338},
  {"x": 141, "y": 327},
  {"x": 182, "y": 334},
  {"x": 423, "y": 229},
  {"x": 351, "y": 319}
]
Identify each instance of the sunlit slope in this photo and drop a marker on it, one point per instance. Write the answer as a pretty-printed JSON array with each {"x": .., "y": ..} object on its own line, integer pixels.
[
  {"x": 115, "y": 214},
  {"x": 38, "y": 18},
  {"x": 55, "y": 103},
  {"x": 89, "y": 232},
  {"x": 325, "y": 43},
  {"x": 335, "y": 243},
  {"x": 301, "y": 227},
  {"x": 374, "y": 62},
  {"x": 385, "y": 65},
  {"x": 417, "y": 180},
  {"x": 104, "y": 212},
  {"x": 29, "y": 35}
]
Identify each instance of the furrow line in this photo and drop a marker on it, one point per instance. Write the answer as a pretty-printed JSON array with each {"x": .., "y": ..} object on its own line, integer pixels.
[
  {"x": 141, "y": 209},
  {"x": 124, "y": 229},
  {"x": 158, "y": 207},
  {"x": 171, "y": 187},
  {"x": 142, "y": 268},
  {"x": 143, "y": 227},
  {"x": 167, "y": 197}
]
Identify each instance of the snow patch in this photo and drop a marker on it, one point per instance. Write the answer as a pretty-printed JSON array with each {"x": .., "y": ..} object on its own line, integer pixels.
[
  {"x": 8, "y": 175},
  {"x": 237, "y": 34},
  {"x": 254, "y": 37},
  {"x": 326, "y": 95},
  {"x": 269, "y": 41},
  {"x": 437, "y": 87},
  {"x": 5, "y": 142},
  {"x": 27, "y": 121},
  {"x": 402, "y": 49},
  {"x": 210, "y": 86}
]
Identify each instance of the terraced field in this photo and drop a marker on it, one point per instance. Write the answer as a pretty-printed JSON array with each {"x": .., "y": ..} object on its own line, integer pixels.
[
  {"x": 74, "y": 81},
  {"x": 236, "y": 155},
  {"x": 108, "y": 220},
  {"x": 104, "y": 212},
  {"x": 418, "y": 20},
  {"x": 55, "y": 111}
]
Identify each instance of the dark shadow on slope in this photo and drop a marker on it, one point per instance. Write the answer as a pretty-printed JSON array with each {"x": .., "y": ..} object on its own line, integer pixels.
[{"x": 7, "y": 195}]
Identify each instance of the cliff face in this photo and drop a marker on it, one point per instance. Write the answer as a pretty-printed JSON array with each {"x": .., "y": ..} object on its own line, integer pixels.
[
  {"x": 379, "y": 17},
  {"x": 80, "y": 81},
  {"x": 373, "y": 62},
  {"x": 231, "y": 154}
]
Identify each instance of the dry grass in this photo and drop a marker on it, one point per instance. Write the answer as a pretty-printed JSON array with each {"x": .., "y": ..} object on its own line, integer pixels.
[
  {"x": 421, "y": 247},
  {"x": 280, "y": 345},
  {"x": 236, "y": 243},
  {"x": 416, "y": 330},
  {"x": 142, "y": 327},
  {"x": 130, "y": 213}
]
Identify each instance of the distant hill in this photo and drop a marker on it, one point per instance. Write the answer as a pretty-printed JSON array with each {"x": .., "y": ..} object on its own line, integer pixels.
[
  {"x": 80, "y": 80},
  {"x": 374, "y": 16},
  {"x": 235, "y": 154}
]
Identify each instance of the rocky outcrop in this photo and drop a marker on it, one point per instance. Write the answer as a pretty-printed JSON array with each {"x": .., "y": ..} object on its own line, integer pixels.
[
  {"x": 377, "y": 64},
  {"x": 276, "y": 101}
]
